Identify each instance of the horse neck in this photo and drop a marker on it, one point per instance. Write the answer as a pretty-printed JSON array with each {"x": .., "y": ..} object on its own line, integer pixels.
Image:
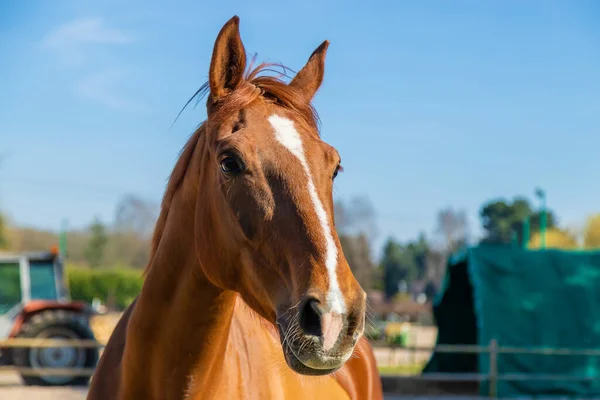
[{"x": 181, "y": 320}]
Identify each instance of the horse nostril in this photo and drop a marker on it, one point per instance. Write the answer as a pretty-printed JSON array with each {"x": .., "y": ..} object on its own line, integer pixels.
[{"x": 310, "y": 318}]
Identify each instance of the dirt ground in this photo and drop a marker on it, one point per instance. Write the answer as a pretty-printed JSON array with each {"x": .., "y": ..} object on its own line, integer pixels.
[
  {"x": 11, "y": 388},
  {"x": 419, "y": 336}
]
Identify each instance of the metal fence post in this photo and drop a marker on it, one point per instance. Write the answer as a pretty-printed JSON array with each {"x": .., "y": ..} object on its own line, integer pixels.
[{"x": 493, "y": 374}]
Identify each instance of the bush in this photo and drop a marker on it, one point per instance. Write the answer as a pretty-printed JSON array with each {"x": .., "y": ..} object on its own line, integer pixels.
[{"x": 118, "y": 286}]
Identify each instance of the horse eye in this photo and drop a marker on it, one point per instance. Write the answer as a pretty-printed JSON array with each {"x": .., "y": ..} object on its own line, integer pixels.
[
  {"x": 338, "y": 169},
  {"x": 231, "y": 165}
]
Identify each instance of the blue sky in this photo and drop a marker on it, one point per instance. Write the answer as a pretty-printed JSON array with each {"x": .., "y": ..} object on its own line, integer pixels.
[{"x": 430, "y": 103}]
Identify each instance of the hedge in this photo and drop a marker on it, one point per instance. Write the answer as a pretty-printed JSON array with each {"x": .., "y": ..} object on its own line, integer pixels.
[{"x": 118, "y": 286}]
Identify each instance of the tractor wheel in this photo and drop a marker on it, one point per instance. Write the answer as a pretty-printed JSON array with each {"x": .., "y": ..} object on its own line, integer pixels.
[{"x": 56, "y": 324}]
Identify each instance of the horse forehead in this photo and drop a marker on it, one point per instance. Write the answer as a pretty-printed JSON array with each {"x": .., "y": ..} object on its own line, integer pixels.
[
  {"x": 287, "y": 135},
  {"x": 298, "y": 140},
  {"x": 278, "y": 134}
]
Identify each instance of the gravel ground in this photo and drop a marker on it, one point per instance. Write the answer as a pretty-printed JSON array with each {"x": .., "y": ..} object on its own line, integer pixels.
[{"x": 11, "y": 389}]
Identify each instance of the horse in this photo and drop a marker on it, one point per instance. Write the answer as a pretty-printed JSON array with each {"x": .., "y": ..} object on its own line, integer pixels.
[{"x": 247, "y": 293}]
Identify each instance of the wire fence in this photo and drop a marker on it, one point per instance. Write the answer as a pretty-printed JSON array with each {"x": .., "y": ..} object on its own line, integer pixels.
[
  {"x": 493, "y": 377},
  {"x": 49, "y": 343}
]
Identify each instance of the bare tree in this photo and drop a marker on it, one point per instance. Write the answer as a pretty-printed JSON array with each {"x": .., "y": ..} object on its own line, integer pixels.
[
  {"x": 134, "y": 222},
  {"x": 342, "y": 217},
  {"x": 356, "y": 226},
  {"x": 134, "y": 214},
  {"x": 356, "y": 217},
  {"x": 453, "y": 228},
  {"x": 435, "y": 265},
  {"x": 358, "y": 254}
]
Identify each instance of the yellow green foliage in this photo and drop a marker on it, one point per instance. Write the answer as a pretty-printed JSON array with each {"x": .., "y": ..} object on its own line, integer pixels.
[
  {"x": 591, "y": 236},
  {"x": 555, "y": 239},
  {"x": 3, "y": 237}
]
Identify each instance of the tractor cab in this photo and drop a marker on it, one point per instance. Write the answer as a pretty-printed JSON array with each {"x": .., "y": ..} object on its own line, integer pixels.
[
  {"x": 31, "y": 276},
  {"x": 35, "y": 304}
]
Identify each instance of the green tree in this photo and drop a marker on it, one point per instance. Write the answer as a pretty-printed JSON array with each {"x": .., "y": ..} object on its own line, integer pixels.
[
  {"x": 417, "y": 252},
  {"x": 402, "y": 263},
  {"x": 501, "y": 219},
  {"x": 96, "y": 248},
  {"x": 3, "y": 238},
  {"x": 391, "y": 264}
]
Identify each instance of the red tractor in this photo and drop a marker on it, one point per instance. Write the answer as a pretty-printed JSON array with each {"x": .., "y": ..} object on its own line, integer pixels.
[{"x": 35, "y": 304}]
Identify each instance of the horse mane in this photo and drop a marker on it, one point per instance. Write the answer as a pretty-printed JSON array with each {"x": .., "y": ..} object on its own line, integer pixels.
[{"x": 268, "y": 87}]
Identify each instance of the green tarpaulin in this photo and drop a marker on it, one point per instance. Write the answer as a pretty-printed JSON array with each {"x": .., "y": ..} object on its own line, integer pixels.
[{"x": 526, "y": 299}]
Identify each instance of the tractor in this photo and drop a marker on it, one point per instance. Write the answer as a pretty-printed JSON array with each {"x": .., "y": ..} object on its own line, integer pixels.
[{"x": 35, "y": 304}]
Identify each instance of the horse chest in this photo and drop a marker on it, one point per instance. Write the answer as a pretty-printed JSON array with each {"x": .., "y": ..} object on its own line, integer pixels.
[{"x": 253, "y": 368}]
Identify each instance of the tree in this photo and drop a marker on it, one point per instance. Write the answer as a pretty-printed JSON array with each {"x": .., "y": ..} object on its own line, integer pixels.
[
  {"x": 356, "y": 217},
  {"x": 391, "y": 264},
  {"x": 96, "y": 248},
  {"x": 417, "y": 252},
  {"x": 591, "y": 236},
  {"x": 134, "y": 222},
  {"x": 134, "y": 214},
  {"x": 453, "y": 227},
  {"x": 3, "y": 238},
  {"x": 502, "y": 219},
  {"x": 28, "y": 239},
  {"x": 555, "y": 239},
  {"x": 402, "y": 263},
  {"x": 436, "y": 266},
  {"x": 358, "y": 254},
  {"x": 355, "y": 223}
]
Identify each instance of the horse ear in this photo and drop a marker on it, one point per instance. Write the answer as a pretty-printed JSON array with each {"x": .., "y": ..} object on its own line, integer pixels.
[
  {"x": 228, "y": 61},
  {"x": 310, "y": 77}
]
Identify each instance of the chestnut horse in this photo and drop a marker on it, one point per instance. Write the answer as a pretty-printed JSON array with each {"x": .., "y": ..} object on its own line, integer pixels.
[{"x": 247, "y": 293}]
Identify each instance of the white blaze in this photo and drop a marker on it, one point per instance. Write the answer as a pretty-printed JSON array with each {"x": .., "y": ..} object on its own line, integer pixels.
[{"x": 288, "y": 136}]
